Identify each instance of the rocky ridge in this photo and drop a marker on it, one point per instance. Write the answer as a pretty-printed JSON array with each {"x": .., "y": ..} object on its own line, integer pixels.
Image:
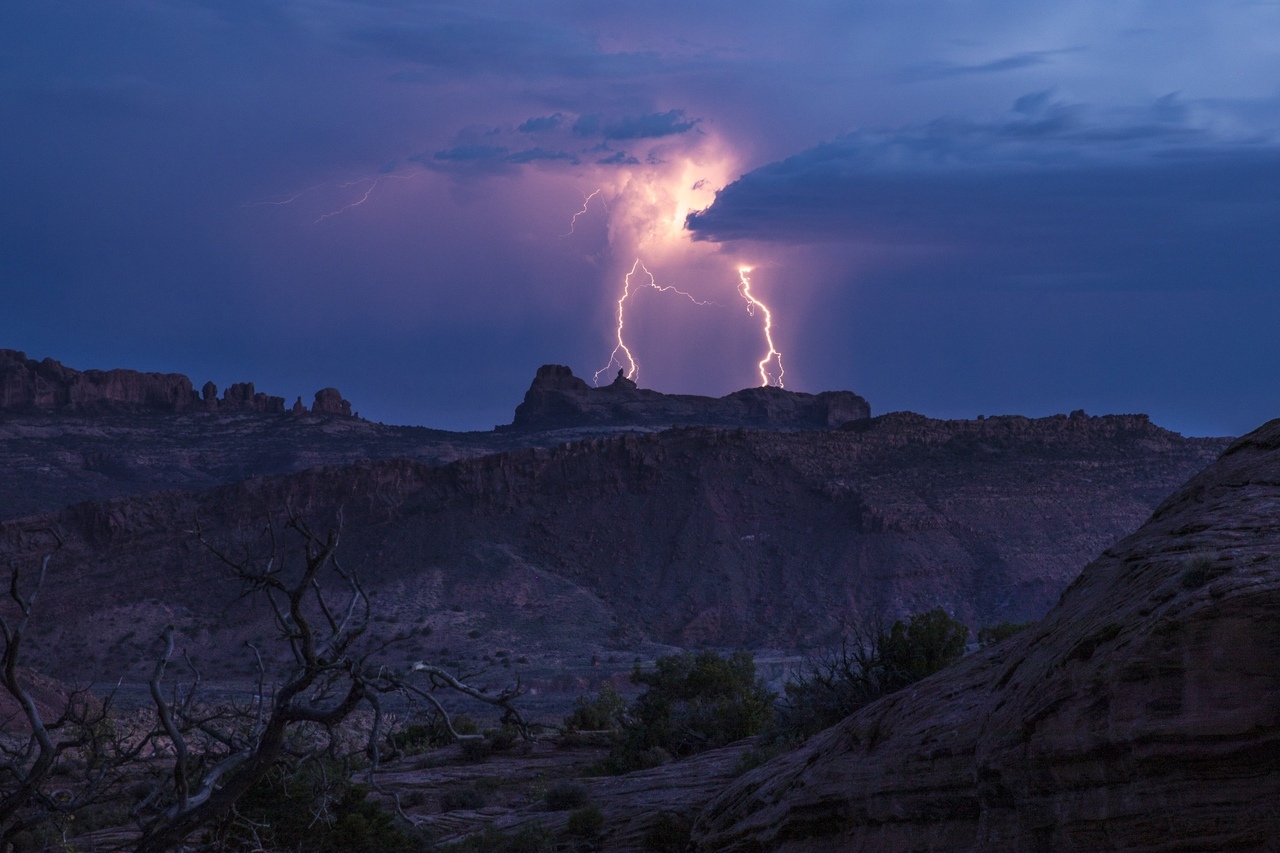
[
  {"x": 694, "y": 536},
  {"x": 1142, "y": 713},
  {"x": 557, "y": 399}
]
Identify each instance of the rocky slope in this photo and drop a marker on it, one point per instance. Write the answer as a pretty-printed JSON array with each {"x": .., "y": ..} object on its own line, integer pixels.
[
  {"x": 1143, "y": 712},
  {"x": 691, "y": 536},
  {"x": 557, "y": 399}
]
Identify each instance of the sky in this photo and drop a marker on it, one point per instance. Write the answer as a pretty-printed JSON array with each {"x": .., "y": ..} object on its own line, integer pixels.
[{"x": 988, "y": 207}]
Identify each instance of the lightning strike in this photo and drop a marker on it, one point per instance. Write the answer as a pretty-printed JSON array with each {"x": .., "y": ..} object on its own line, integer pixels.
[
  {"x": 626, "y": 362},
  {"x": 586, "y": 201},
  {"x": 744, "y": 287}
]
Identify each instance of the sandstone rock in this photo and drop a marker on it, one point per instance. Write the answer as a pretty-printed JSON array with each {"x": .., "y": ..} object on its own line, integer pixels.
[
  {"x": 299, "y": 408},
  {"x": 557, "y": 400},
  {"x": 1143, "y": 712},
  {"x": 209, "y": 395},
  {"x": 28, "y": 385},
  {"x": 329, "y": 402},
  {"x": 241, "y": 397}
]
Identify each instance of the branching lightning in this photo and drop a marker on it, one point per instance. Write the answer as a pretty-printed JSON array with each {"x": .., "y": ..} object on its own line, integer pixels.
[
  {"x": 621, "y": 355},
  {"x": 372, "y": 181},
  {"x": 586, "y": 201},
  {"x": 744, "y": 287}
]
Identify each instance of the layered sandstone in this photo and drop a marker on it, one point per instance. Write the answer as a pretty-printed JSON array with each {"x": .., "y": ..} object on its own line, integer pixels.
[
  {"x": 1143, "y": 712},
  {"x": 558, "y": 400}
]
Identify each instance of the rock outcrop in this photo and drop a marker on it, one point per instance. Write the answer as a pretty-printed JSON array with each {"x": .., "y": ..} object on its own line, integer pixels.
[
  {"x": 329, "y": 402},
  {"x": 30, "y": 385},
  {"x": 27, "y": 385},
  {"x": 558, "y": 400},
  {"x": 1143, "y": 712}
]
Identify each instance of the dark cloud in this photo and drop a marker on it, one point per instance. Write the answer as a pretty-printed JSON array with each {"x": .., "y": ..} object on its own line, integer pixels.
[
  {"x": 1045, "y": 194},
  {"x": 530, "y": 155},
  {"x": 471, "y": 153},
  {"x": 943, "y": 70},
  {"x": 652, "y": 126},
  {"x": 618, "y": 158},
  {"x": 457, "y": 41},
  {"x": 538, "y": 124}
]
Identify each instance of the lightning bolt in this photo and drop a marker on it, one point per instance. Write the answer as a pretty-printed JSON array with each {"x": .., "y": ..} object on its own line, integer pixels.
[
  {"x": 290, "y": 200},
  {"x": 586, "y": 200},
  {"x": 372, "y": 181},
  {"x": 744, "y": 287},
  {"x": 621, "y": 355}
]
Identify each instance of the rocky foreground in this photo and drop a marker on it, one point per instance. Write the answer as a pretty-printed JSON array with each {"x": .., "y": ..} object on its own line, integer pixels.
[{"x": 1143, "y": 712}]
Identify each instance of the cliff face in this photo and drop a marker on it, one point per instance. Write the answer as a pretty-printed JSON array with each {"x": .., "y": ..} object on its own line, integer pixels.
[
  {"x": 692, "y": 536},
  {"x": 26, "y": 384},
  {"x": 1143, "y": 712},
  {"x": 557, "y": 400}
]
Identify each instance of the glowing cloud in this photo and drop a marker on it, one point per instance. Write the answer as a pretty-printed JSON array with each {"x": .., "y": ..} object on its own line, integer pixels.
[{"x": 744, "y": 288}]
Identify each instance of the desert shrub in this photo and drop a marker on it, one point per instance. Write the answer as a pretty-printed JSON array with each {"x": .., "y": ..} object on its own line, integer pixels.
[
  {"x": 693, "y": 702},
  {"x": 670, "y": 833},
  {"x": 417, "y": 738},
  {"x": 993, "y": 634},
  {"x": 503, "y": 739},
  {"x": 314, "y": 808},
  {"x": 586, "y": 822},
  {"x": 460, "y": 799},
  {"x": 476, "y": 750},
  {"x": 920, "y": 647},
  {"x": 869, "y": 664},
  {"x": 604, "y": 712},
  {"x": 565, "y": 796}
]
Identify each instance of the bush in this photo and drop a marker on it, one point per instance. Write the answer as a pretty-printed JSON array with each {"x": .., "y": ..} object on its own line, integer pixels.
[
  {"x": 565, "y": 796},
  {"x": 476, "y": 750},
  {"x": 315, "y": 808},
  {"x": 920, "y": 647},
  {"x": 417, "y": 738},
  {"x": 670, "y": 833},
  {"x": 993, "y": 634},
  {"x": 605, "y": 712},
  {"x": 867, "y": 666},
  {"x": 586, "y": 822},
  {"x": 692, "y": 703}
]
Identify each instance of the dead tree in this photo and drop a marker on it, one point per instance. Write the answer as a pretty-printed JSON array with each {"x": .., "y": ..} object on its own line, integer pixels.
[
  {"x": 326, "y": 681},
  {"x": 220, "y": 753},
  {"x": 33, "y": 750}
]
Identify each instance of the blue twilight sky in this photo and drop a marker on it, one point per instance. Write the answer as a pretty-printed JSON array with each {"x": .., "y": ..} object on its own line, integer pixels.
[{"x": 958, "y": 208}]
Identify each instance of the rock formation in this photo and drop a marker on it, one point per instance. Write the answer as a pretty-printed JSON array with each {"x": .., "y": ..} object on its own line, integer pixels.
[
  {"x": 557, "y": 400},
  {"x": 329, "y": 402},
  {"x": 27, "y": 385},
  {"x": 1143, "y": 713}
]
